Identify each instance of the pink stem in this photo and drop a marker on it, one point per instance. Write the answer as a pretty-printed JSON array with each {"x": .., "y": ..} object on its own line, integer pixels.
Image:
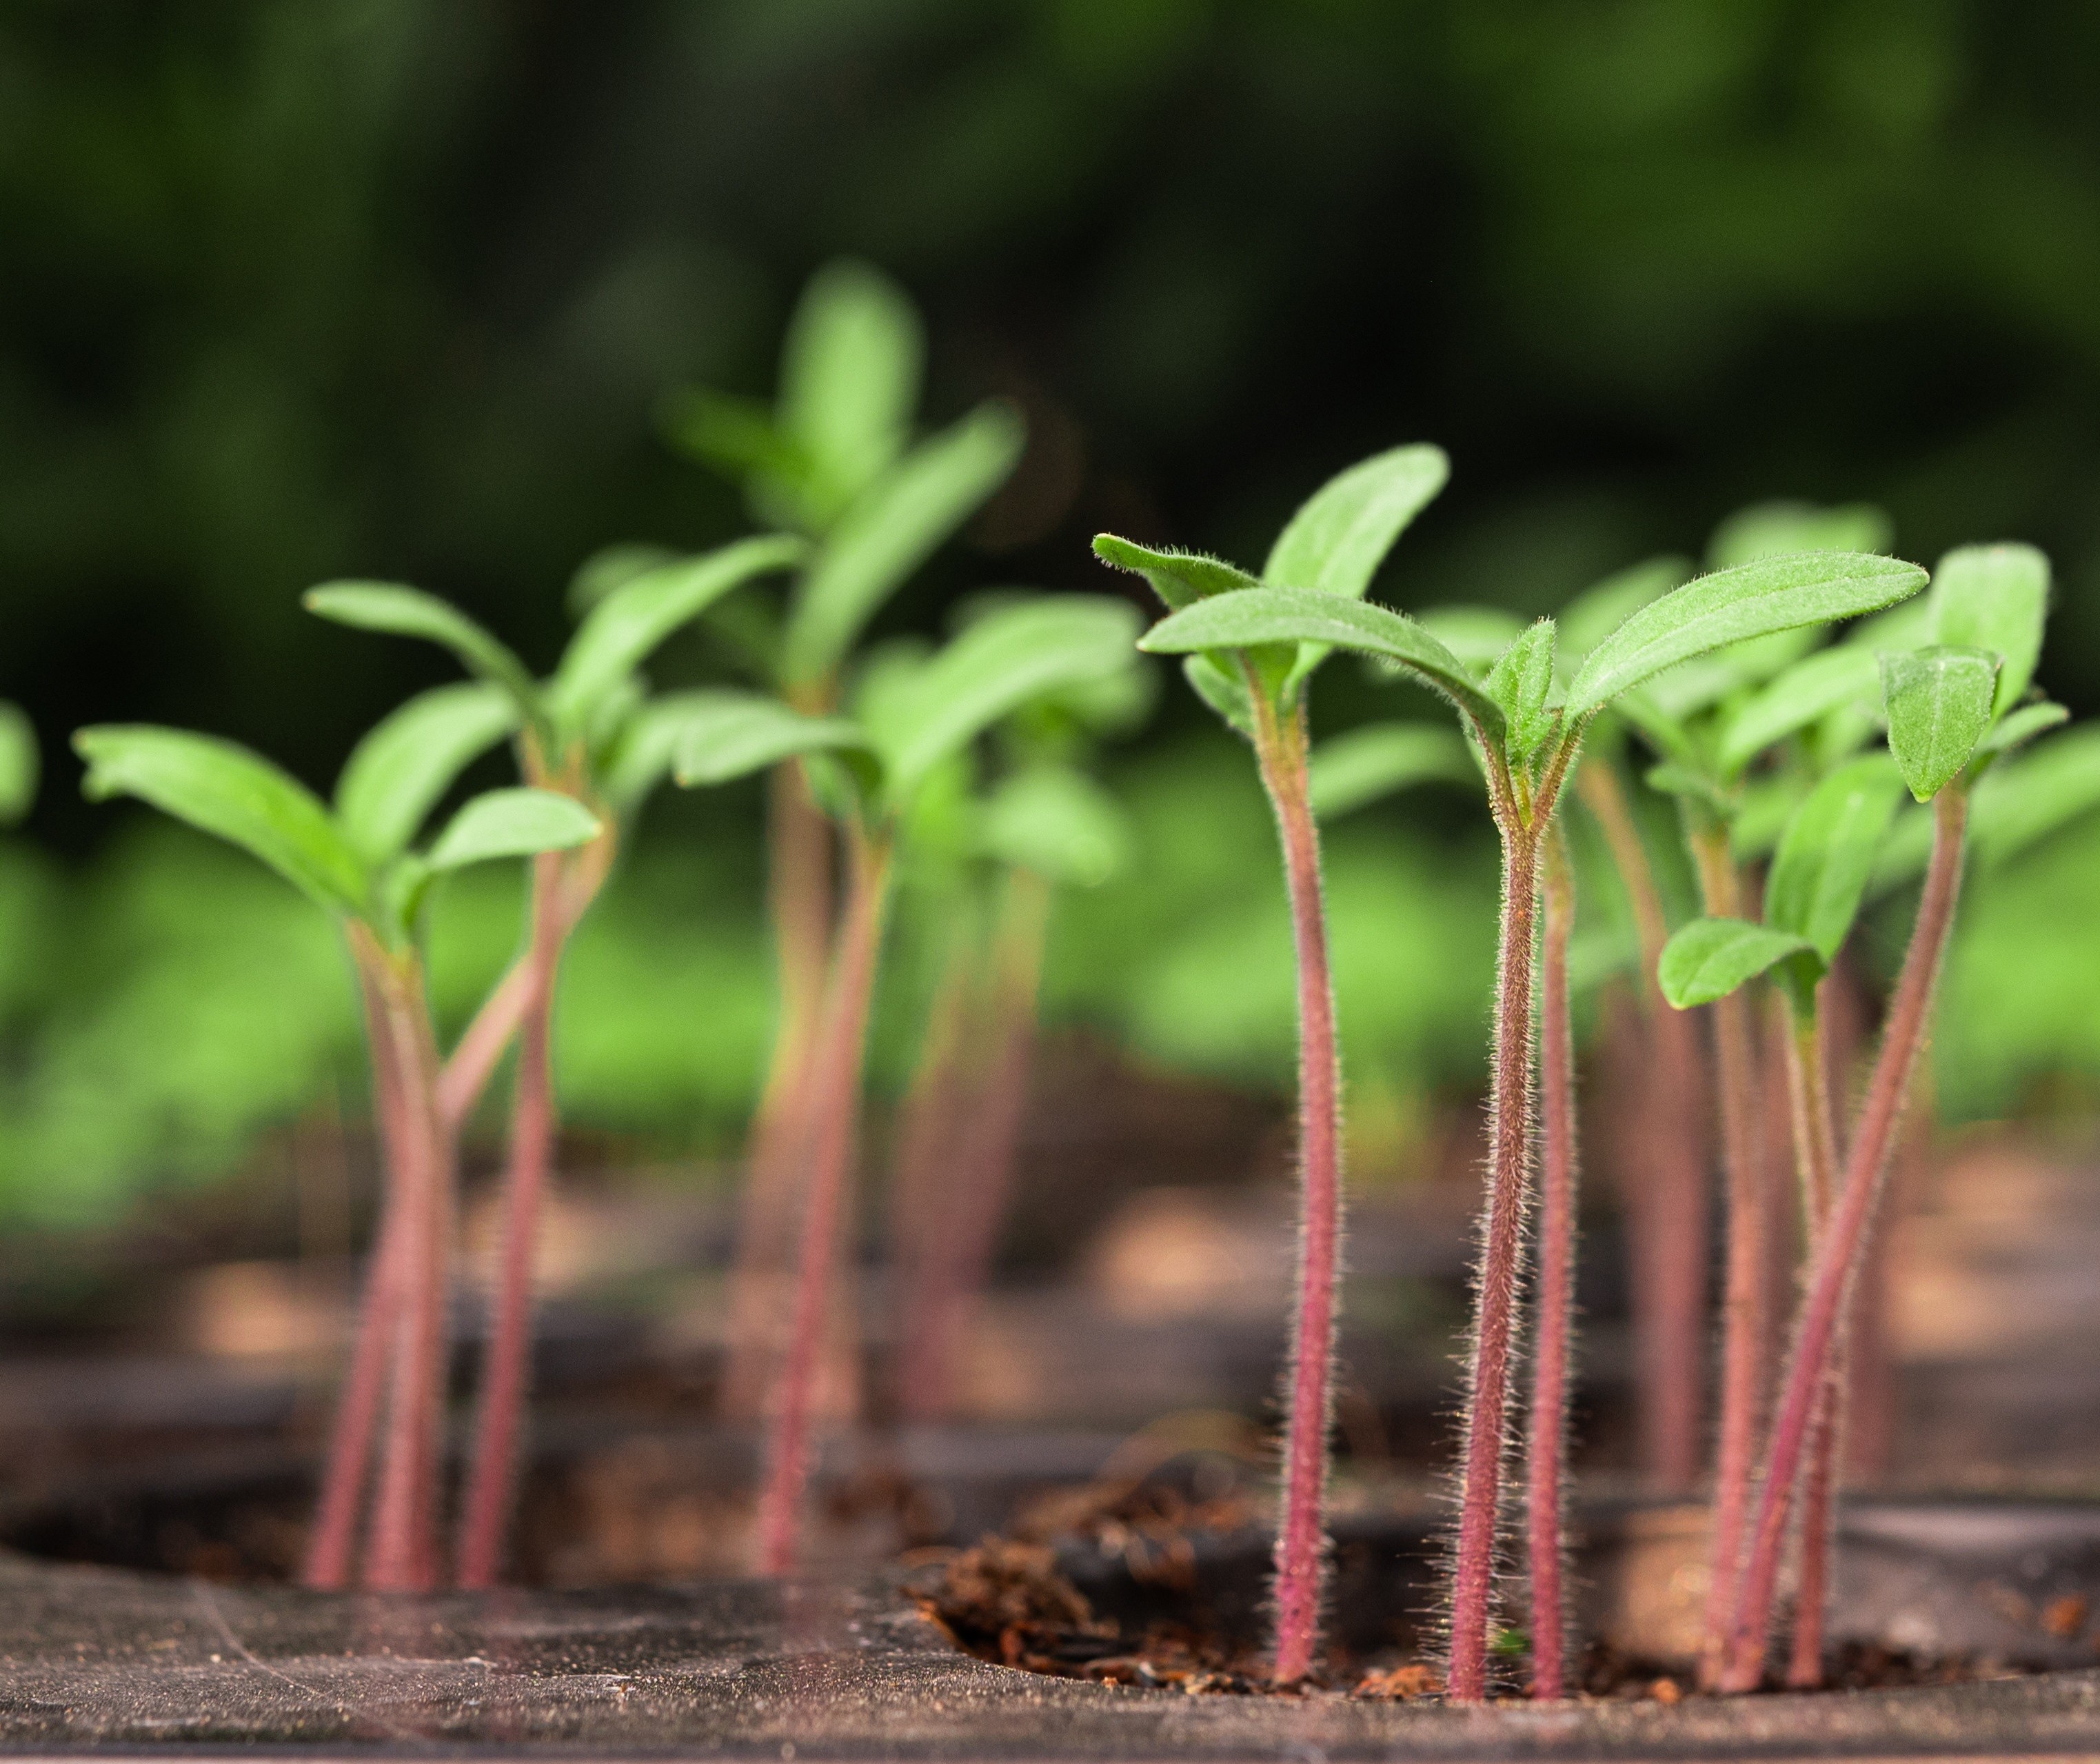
[
  {"x": 485, "y": 1516},
  {"x": 799, "y": 898},
  {"x": 1484, "y": 1433},
  {"x": 835, "y": 1081},
  {"x": 479, "y": 1050},
  {"x": 1839, "y": 1254},
  {"x": 1301, "y": 1542},
  {"x": 981, "y": 1179},
  {"x": 403, "y": 1552},
  {"x": 1746, "y": 1329},
  {"x": 331, "y": 1549},
  {"x": 1661, "y": 1143},
  {"x": 1547, "y": 1469}
]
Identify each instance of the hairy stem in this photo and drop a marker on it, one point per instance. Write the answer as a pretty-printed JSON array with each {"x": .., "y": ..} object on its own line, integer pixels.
[
  {"x": 402, "y": 1554},
  {"x": 332, "y": 1548},
  {"x": 800, "y": 848},
  {"x": 484, "y": 1519},
  {"x": 1663, "y": 1162},
  {"x": 1844, "y": 1242},
  {"x": 1484, "y": 1429},
  {"x": 835, "y": 1081},
  {"x": 1745, "y": 1325},
  {"x": 1546, "y": 1471},
  {"x": 1282, "y": 746},
  {"x": 960, "y": 1255}
]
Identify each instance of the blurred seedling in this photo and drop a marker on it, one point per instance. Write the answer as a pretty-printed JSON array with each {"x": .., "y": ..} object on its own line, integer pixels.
[
  {"x": 357, "y": 862},
  {"x": 834, "y": 457},
  {"x": 590, "y": 734},
  {"x": 1253, "y": 646},
  {"x": 869, "y": 769}
]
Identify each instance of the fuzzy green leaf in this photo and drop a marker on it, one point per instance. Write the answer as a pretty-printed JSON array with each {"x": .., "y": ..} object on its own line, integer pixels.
[
  {"x": 18, "y": 764},
  {"x": 1358, "y": 769},
  {"x": 611, "y": 567},
  {"x": 1601, "y": 609},
  {"x": 729, "y": 734},
  {"x": 1710, "y": 958},
  {"x": 891, "y": 528},
  {"x": 1807, "y": 692},
  {"x": 2019, "y": 728},
  {"x": 1253, "y": 617},
  {"x": 1751, "y": 601},
  {"x": 1518, "y": 682},
  {"x": 850, "y": 377},
  {"x": 225, "y": 789},
  {"x": 1179, "y": 578},
  {"x": 620, "y": 631},
  {"x": 1337, "y": 540},
  {"x": 1993, "y": 597},
  {"x": 1938, "y": 704},
  {"x": 1818, "y": 874},
  {"x": 1781, "y": 528},
  {"x": 1059, "y": 823},
  {"x": 410, "y": 613},
  {"x": 516, "y": 822},
  {"x": 1019, "y": 653},
  {"x": 1223, "y": 689},
  {"x": 396, "y": 775}
]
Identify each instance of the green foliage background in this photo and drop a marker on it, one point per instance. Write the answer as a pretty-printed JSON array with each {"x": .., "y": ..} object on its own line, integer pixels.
[{"x": 393, "y": 288}]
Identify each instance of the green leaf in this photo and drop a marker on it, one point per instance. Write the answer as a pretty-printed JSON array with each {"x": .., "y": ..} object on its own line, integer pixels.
[
  {"x": 1938, "y": 704},
  {"x": 1357, "y": 768},
  {"x": 18, "y": 764},
  {"x": 1476, "y": 635},
  {"x": 621, "y": 630},
  {"x": 1060, "y": 824},
  {"x": 1223, "y": 689},
  {"x": 1993, "y": 597},
  {"x": 1518, "y": 682},
  {"x": 850, "y": 377},
  {"x": 410, "y": 613},
  {"x": 739, "y": 437},
  {"x": 1807, "y": 692},
  {"x": 2021, "y": 726},
  {"x": 891, "y": 528},
  {"x": 1337, "y": 540},
  {"x": 1179, "y": 578},
  {"x": 1818, "y": 874},
  {"x": 1601, "y": 609},
  {"x": 1778, "y": 529},
  {"x": 1253, "y": 617},
  {"x": 1000, "y": 663},
  {"x": 1751, "y": 601},
  {"x": 517, "y": 822},
  {"x": 396, "y": 775},
  {"x": 225, "y": 789},
  {"x": 1710, "y": 958},
  {"x": 612, "y": 566},
  {"x": 728, "y": 735}
]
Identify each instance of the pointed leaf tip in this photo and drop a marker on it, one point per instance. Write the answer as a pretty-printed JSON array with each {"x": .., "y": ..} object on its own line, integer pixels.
[{"x": 1335, "y": 542}]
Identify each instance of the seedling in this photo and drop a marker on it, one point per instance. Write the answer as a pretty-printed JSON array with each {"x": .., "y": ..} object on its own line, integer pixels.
[
  {"x": 1947, "y": 705},
  {"x": 869, "y": 769},
  {"x": 1529, "y": 735},
  {"x": 834, "y": 458},
  {"x": 355, "y": 864},
  {"x": 586, "y": 734}
]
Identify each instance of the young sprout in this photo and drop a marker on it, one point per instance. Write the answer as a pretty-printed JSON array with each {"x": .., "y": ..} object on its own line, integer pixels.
[
  {"x": 1943, "y": 701},
  {"x": 1529, "y": 735},
  {"x": 834, "y": 458},
  {"x": 574, "y": 730},
  {"x": 869, "y": 770},
  {"x": 1332, "y": 545},
  {"x": 356, "y": 864}
]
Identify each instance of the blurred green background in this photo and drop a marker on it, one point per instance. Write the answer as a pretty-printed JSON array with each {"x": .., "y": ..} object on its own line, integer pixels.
[{"x": 394, "y": 288}]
